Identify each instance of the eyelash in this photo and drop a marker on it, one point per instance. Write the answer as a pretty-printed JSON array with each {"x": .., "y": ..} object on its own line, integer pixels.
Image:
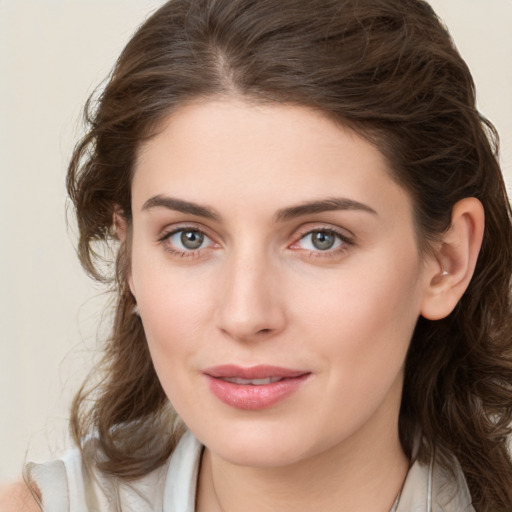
[
  {"x": 346, "y": 242},
  {"x": 189, "y": 253}
]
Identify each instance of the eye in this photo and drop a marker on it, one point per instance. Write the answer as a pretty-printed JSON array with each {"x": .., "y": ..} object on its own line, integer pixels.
[
  {"x": 321, "y": 240},
  {"x": 186, "y": 240}
]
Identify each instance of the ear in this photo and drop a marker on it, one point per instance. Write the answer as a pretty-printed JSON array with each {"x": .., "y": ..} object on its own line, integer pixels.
[
  {"x": 450, "y": 271},
  {"x": 120, "y": 226}
]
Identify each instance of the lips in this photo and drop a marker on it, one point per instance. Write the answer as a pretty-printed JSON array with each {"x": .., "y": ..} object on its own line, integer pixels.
[{"x": 253, "y": 388}]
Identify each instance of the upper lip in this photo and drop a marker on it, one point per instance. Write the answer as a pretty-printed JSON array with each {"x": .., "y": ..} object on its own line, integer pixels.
[{"x": 252, "y": 372}]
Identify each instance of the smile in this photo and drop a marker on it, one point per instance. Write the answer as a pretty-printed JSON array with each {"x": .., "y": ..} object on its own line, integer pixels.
[{"x": 254, "y": 388}]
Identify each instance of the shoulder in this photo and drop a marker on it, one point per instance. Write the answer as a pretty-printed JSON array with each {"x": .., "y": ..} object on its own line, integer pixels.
[
  {"x": 76, "y": 483},
  {"x": 17, "y": 497}
]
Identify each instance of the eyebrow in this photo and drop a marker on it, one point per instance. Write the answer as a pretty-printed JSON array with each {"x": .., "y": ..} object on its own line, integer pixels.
[
  {"x": 179, "y": 205},
  {"x": 325, "y": 205},
  {"x": 308, "y": 208}
]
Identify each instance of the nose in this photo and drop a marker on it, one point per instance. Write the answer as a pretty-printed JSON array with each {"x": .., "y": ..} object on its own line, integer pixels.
[{"x": 250, "y": 306}]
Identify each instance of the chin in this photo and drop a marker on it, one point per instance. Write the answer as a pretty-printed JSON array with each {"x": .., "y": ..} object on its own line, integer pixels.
[
  {"x": 261, "y": 455},
  {"x": 260, "y": 445}
]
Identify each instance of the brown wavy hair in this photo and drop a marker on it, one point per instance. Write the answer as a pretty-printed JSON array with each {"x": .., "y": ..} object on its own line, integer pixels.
[{"x": 388, "y": 70}]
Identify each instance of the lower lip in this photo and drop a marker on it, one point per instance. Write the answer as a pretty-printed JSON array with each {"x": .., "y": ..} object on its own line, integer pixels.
[{"x": 253, "y": 398}]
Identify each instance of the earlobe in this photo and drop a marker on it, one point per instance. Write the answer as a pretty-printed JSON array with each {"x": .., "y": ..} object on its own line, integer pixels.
[{"x": 450, "y": 271}]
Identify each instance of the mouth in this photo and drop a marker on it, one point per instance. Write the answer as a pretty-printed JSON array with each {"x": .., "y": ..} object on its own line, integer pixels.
[
  {"x": 254, "y": 388},
  {"x": 252, "y": 382}
]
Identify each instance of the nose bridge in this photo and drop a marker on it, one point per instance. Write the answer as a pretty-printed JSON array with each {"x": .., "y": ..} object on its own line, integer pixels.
[{"x": 250, "y": 306}]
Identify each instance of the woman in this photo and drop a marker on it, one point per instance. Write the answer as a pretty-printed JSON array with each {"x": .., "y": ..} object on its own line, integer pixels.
[{"x": 313, "y": 258}]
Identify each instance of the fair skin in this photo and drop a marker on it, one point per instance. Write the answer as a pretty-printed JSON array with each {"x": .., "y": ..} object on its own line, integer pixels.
[
  {"x": 16, "y": 497},
  {"x": 268, "y": 235},
  {"x": 221, "y": 239}
]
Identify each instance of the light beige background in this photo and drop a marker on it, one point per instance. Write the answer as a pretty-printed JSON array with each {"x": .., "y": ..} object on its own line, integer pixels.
[{"x": 52, "y": 54}]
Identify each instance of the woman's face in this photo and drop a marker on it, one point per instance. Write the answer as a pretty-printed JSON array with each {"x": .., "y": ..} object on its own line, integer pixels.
[{"x": 278, "y": 279}]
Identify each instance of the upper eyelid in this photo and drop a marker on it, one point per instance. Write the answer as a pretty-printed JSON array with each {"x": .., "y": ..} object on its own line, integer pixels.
[
  {"x": 342, "y": 232},
  {"x": 343, "y": 239},
  {"x": 176, "y": 228},
  {"x": 332, "y": 231}
]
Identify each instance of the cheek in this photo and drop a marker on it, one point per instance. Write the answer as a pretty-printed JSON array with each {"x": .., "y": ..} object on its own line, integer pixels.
[
  {"x": 173, "y": 313},
  {"x": 172, "y": 305},
  {"x": 365, "y": 318},
  {"x": 173, "y": 326}
]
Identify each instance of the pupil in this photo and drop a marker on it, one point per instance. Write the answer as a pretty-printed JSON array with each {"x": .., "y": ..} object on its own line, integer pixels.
[
  {"x": 192, "y": 239},
  {"x": 323, "y": 240}
]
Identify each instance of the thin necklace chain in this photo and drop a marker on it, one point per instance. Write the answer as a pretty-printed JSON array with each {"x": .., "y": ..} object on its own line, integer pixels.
[{"x": 215, "y": 490}]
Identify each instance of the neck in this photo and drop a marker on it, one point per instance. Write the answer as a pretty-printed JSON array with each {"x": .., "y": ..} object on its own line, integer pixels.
[{"x": 362, "y": 474}]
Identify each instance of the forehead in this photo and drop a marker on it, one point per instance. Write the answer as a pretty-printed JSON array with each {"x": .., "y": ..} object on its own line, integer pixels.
[{"x": 232, "y": 153}]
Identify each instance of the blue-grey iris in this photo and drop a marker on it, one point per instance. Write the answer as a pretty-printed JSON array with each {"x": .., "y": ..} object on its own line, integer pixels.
[
  {"x": 322, "y": 240},
  {"x": 192, "y": 239}
]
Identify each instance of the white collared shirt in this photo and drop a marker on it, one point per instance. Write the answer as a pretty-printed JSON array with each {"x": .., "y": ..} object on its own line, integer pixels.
[{"x": 67, "y": 486}]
